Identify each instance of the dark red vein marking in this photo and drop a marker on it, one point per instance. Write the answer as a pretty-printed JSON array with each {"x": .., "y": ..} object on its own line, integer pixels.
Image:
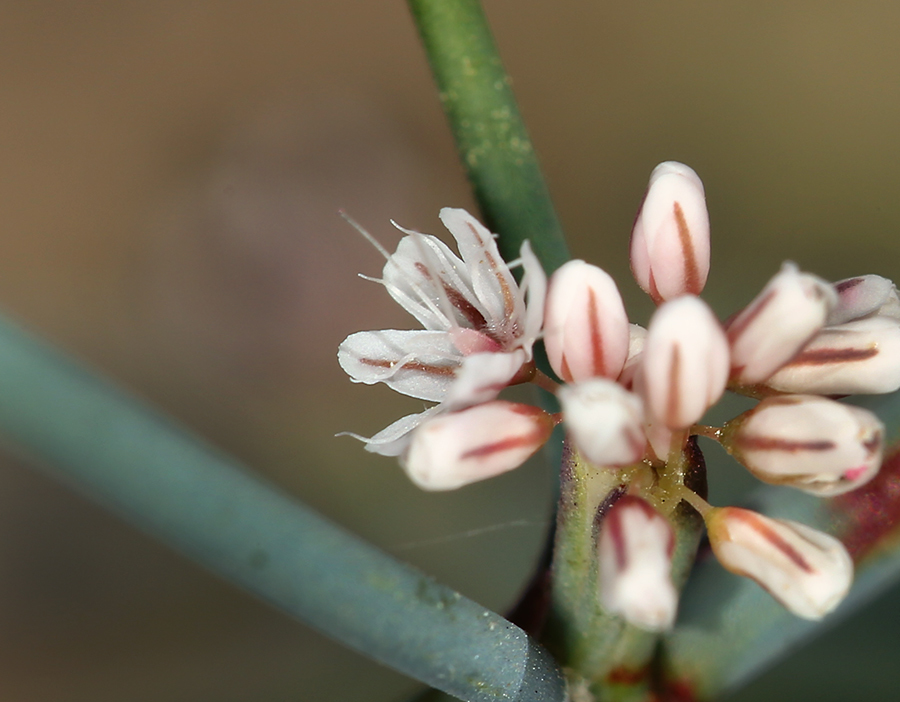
[
  {"x": 691, "y": 272},
  {"x": 597, "y": 359},
  {"x": 410, "y": 365},
  {"x": 822, "y": 357},
  {"x": 773, "y": 537},
  {"x": 768, "y": 443},
  {"x": 845, "y": 285},
  {"x": 508, "y": 301},
  {"x": 508, "y": 444}
]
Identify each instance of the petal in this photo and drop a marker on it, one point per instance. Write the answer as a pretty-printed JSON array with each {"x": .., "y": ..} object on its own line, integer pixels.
[
  {"x": 393, "y": 439},
  {"x": 861, "y": 357},
  {"x": 482, "y": 376},
  {"x": 808, "y": 442},
  {"x": 634, "y": 551},
  {"x": 783, "y": 318},
  {"x": 670, "y": 240},
  {"x": 805, "y": 570},
  {"x": 459, "y": 448},
  {"x": 431, "y": 283},
  {"x": 420, "y": 364},
  {"x": 492, "y": 280},
  {"x": 534, "y": 291},
  {"x": 863, "y": 296},
  {"x": 586, "y": 328},
  {"x": 685, "y": 362},
  {"x": 605, "y": 421}
]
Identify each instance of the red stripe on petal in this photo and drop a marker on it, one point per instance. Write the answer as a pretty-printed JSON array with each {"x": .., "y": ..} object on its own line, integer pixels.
[
  {"x": 769, "y": 443},
  {"x": 534, "y": 439},
  {"x": 821, "y": 357},
  {"x": 417, "y": 366},
  {"x": 691, "y": 270},
  {"x": 597, "y": 360},
  {"x": 773, "y": 537}
]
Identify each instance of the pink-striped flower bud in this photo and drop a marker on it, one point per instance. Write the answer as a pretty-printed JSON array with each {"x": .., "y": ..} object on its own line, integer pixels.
[
  {"x": 585, "y": 325},
  {"x": 805, "y": 570},
  {"x": 634, "y": 552},
  {"x": 861, "y": 357},
  {"x": 773, "y": 328},
  {"x": 604, "y": 421},
  {"x": 685, "y": 362},
  {"x": 808, "y": 442},
  {"x": 459, "y": 448},
  {"x": 670, "y": 239},
  {"x": 864, "y": 296}
]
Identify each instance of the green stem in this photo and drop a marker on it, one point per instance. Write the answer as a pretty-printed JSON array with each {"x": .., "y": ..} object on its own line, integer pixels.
[
  {"x": 207, "y": 506},
  {"x": 490, "y": 135},
  {"x": 585, "y": 638}
]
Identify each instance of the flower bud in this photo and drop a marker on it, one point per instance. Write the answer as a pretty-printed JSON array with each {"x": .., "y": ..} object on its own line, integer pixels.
[
  {"x": 864, "y": 296},
  {"x": 856, "y": 357},
  {"x": 812, "y": 443},
  {"x": 605, "y": 421},
  {"x": 685, "y": 362},
  {"x": 634, "y": 552},
  {"x": 773, "y": 328},
  {"x": 805, "y": 570},
  {"x": 464, "y": 447},
  {"x": 637, "y": 335},
  {"x": 670, "y": 239},
  {"x": 585, "y": 325}
]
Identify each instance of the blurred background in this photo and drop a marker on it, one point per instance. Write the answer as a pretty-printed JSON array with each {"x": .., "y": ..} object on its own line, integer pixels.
[{"x": 170, "y": 174}]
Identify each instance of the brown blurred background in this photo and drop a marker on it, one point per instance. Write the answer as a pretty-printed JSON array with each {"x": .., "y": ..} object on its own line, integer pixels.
[{"x": 169, "y": 177}]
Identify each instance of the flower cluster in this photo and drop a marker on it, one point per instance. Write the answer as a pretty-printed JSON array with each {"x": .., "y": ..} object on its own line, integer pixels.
[{"x": 632, "y": 397}]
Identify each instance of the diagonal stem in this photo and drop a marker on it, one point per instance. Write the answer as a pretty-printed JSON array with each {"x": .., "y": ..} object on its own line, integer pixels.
[
  {"x": 493, "y": 144},
  {"x": 211, "y": 509}
]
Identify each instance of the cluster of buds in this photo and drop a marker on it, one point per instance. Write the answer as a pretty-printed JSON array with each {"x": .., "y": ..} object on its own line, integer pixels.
[{"x": 631, "y": 398}]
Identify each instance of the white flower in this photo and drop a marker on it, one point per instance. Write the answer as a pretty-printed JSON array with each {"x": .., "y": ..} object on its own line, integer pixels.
[
  {"x": 585, "y": 326},
  {"x": 479, "y": 325},
  {"x": 809, "y": 442},
  {"x": 805, "y": 570},
  {"x": 684, "y": 365},
  {"x": 670, "y": 239},
  {"x": 859, "y": 357},
  {"x": 458, "y": 448},
  {"x": 773, "y": 328},
  {"x": 605, "y": 421},
  {"x": 634, "y": 552}
]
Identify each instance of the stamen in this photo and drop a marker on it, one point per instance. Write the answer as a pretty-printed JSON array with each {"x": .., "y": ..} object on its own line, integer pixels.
[{"x": 368, "y": 237}]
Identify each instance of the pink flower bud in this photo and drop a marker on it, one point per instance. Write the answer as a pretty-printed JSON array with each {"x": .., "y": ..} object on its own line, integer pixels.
[
  {"x": 773, "y": 328},
  {"x": 864, "y": 296},
  {"x": 605, "y": 421},
  {"x": 808, "y": 442},
  {"x": 685, "y": 362},
  {"x": 852, "y": 358},
  {"x": 634, "y": 551},
  {"x": 464, "y": 447},
  {"x": 805, "y": 570},
  {"x": 585, "y": 325},
  {"x": 670, "y": 239}
]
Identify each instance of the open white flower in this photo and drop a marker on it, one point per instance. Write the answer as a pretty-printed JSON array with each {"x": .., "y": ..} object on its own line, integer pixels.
[{"x": 479, "y": 324}]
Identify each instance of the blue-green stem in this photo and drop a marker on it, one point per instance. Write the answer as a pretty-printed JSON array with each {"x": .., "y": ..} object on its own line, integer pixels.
[{"x": 205, "y": 505}]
